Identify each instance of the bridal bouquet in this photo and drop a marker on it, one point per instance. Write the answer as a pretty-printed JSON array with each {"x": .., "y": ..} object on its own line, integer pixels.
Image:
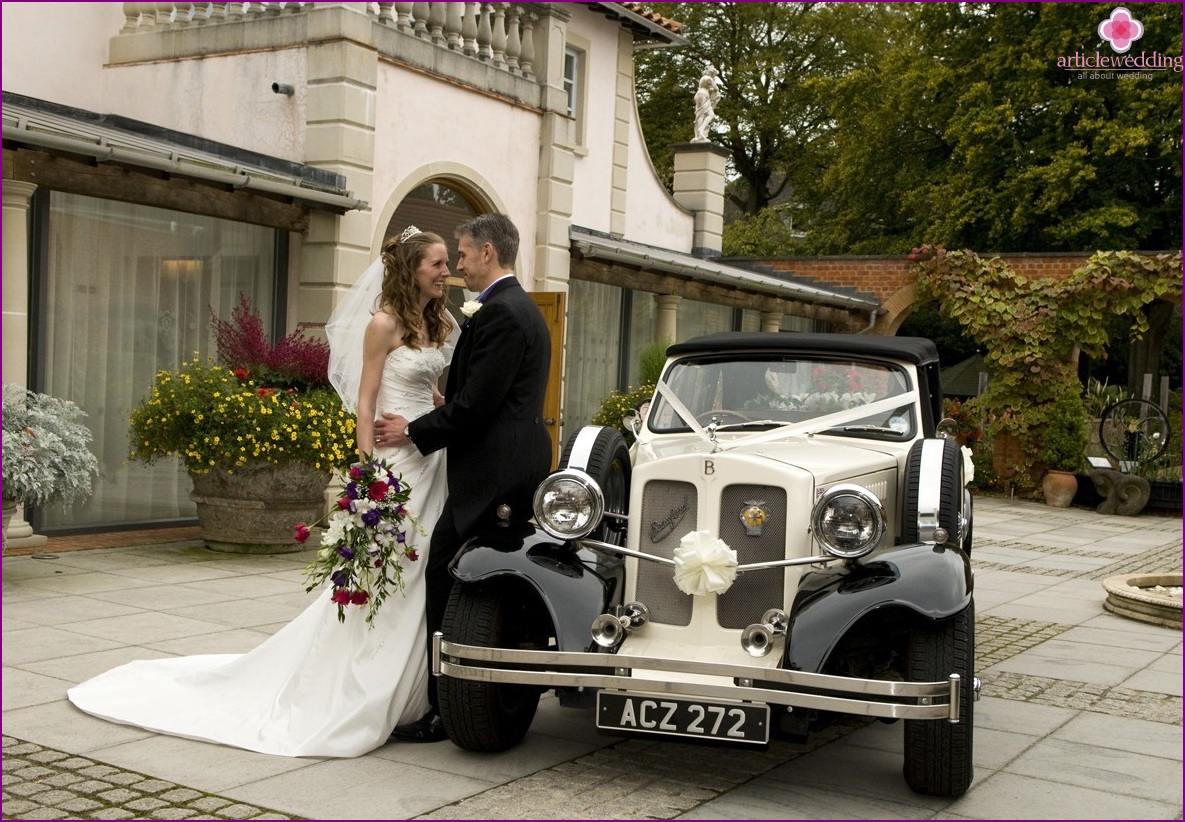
[{"x": 364, "y": 542}]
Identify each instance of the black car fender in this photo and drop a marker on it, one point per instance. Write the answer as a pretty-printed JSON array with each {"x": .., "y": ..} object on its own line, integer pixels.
[
  {"x": 934, "y": 582},
  {"x": 574, "y": 586}
]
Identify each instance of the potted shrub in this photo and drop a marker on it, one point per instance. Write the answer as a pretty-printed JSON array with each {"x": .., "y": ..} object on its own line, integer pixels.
[
  {"x": 260, "y": 431},
  {"x": 47, "y": 455},
  {"x": 1063, "y": 447}
]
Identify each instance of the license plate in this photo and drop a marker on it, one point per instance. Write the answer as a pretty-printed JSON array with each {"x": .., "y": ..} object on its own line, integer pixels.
[{"x": 673, "y": 716}]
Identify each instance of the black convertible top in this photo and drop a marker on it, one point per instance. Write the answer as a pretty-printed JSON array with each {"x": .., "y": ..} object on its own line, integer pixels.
[{"x": 917, "y": 350}]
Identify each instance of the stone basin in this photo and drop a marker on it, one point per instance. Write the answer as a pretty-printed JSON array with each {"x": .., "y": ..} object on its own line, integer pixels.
[{"x": 1132, "y": 596}]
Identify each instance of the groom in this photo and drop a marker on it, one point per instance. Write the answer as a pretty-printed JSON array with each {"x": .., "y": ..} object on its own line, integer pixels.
[{"x": 491, "y": 422}]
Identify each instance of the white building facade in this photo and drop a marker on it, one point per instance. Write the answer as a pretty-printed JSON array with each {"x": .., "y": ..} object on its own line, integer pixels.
[{"x": 162, "y": 158}]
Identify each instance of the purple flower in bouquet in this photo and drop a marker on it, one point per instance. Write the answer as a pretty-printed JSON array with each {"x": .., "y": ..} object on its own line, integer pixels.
[{"x": 358, "y": 555}]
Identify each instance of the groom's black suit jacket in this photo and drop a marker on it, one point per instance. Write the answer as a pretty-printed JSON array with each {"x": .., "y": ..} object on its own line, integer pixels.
[{"x": 492, "y": 420}]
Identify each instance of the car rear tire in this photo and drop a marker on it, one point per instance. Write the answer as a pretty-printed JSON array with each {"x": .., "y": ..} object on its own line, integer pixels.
[
  {"x": 937, "y": 752},
  {"x": 608, "y": 463},
  {"x": 489, "y": 716},
  {"x": 950, "y": 498}
]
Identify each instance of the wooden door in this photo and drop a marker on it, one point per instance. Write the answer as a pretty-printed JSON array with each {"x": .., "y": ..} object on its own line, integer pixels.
[{"x": 551, "y": 303}]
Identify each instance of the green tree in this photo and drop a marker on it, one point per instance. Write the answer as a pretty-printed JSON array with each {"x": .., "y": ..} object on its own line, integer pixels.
[
  {"x": 776, "y": 64},
  {"x": 965, "y": 132},
  {"x": 883, "y": 126}
]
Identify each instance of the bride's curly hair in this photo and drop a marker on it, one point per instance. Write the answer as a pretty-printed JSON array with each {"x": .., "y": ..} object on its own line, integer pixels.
[{"x": 399, "y": 293}]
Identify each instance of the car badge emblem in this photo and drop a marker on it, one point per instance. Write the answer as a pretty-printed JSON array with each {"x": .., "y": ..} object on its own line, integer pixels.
[
  {"x": 754, "y": 516},
  {"x": 660, "y": 529}
]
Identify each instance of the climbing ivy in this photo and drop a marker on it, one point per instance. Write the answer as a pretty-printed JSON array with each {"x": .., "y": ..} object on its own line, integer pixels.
[{"x": 1030, "y": 326}]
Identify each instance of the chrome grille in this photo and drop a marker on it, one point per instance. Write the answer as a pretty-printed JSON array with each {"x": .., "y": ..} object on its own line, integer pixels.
[
  {"x": 754, "y": 592},
  {"x": 669, "y": 510}
]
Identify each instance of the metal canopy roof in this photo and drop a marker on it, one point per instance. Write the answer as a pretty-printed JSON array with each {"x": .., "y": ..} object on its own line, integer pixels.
[
  {"x": 132, "y": 143},
  {"x": 650, "y": 258}
]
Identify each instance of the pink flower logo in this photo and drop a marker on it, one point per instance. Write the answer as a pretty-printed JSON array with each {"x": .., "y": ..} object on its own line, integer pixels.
[{"x": 1121, "y": 30}]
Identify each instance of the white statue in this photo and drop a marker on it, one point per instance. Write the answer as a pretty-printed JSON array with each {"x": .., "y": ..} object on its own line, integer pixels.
[{"x": 706, "y": 97}]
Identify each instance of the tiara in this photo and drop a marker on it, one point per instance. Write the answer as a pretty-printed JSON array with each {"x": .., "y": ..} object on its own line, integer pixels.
[{"x": 408, "y": 233}]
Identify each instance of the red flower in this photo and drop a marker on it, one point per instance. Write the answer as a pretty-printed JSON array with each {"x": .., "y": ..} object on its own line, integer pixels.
[
  {"x": 242, "y": 374},
  {"x": 302, "y": 532},
  {"x": 412, "y": 555},
  {"x": 377, "y": 490},
  {"x": 359, "y": 598},
  {"x": 343, "y": 503},
  {"x": 341, "y": 596},
  {"x": 265, "y": 392}
]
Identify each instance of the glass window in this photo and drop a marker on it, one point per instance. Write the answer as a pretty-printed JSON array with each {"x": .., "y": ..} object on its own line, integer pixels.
[
  {"x": 696, "y": 318},
  {"x": 593, "y": 353},
  {"x": 572, "y": 68},
  {"x": 128, "y": 292}
]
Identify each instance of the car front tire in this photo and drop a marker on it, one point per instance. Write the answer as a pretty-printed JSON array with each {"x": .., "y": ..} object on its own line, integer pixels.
[
  {"x": 489, "y": 716},
  {"x": 937, "y": 752}
]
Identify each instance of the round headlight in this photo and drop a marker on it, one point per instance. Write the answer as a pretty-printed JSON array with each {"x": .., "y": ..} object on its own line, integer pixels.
[
  {"x": 569, "y": 504},
  {"x": 848, "y": 521}
]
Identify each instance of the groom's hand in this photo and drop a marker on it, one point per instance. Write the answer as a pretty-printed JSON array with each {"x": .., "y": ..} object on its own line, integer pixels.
[{"x": 390, "y": 431}]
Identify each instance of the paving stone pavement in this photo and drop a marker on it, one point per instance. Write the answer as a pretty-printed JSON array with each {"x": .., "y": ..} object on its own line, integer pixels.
[
  {"x": 42, "y": 783},
  {"x": 1080, "y": 717}
]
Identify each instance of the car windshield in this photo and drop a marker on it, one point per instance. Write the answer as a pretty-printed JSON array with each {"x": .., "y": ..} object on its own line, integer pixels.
[{"x": 766, "y": 391}]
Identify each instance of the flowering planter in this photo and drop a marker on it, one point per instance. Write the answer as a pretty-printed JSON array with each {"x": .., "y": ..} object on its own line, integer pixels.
[{"x": 252, "y": 510}]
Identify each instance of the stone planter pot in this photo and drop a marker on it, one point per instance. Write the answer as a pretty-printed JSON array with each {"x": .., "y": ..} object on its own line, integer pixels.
[
  {"x": 253, "y": 509},
  {"x": 1059, "y": 488},
  {"x": 10, "y": 506}
]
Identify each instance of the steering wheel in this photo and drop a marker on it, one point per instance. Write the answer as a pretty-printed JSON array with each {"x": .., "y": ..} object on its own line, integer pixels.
[{"x": 723, "y": 414}]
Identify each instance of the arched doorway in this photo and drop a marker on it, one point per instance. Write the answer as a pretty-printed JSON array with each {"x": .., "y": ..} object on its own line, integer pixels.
[{"x": 436, "y": 205}]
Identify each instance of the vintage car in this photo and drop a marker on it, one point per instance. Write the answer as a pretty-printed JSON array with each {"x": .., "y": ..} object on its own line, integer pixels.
[{"x": 786, "y": 540}]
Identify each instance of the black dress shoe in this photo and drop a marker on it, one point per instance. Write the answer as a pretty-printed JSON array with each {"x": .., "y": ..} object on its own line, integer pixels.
[{"x": 426, "y": 729}]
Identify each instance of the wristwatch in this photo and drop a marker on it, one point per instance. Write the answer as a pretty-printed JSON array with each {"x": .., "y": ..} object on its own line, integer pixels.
[{"x": 407, "y": 432}]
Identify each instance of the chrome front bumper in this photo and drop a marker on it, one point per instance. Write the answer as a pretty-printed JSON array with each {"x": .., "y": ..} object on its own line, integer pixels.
[{"x": 863, "y": 697}]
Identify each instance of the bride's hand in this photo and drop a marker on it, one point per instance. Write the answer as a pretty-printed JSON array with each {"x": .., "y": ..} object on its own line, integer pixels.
[{"x": 437, "y": 398}]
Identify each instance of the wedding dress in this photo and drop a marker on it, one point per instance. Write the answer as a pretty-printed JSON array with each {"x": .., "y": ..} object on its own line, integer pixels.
[{"x": 317, "y": 687}]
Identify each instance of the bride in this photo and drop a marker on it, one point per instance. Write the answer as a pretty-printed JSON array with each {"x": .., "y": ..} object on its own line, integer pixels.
[{"x": 319, "y": 687}]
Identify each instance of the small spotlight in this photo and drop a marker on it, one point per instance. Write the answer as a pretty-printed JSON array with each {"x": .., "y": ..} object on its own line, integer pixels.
[{"x": 283, "y": 88}]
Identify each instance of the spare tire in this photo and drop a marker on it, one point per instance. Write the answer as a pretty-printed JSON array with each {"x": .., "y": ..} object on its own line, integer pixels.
[{"x": 601, "y": 452}]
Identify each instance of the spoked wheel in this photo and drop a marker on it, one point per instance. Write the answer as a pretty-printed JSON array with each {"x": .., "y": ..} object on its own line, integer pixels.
[
  {"x": 490, "y": 716},
  {"x": 1133, "y": 432},
  {"x": 937, "y": 752},
  {"x": 604, "y": 456}
]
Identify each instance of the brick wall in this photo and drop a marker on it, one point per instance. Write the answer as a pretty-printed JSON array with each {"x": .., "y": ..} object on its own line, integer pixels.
[{"x": 884, "y": 276}]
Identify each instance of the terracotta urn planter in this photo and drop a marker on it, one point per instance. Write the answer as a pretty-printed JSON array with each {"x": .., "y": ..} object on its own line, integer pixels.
[
  {"x": 252, "y": 509},
  {"x": 1059, "y": 488}
]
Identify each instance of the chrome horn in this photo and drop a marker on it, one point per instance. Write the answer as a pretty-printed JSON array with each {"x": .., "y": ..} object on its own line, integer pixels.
[
  {"x": 608, "y": 630},
  {"x": 758, "y": 638}
]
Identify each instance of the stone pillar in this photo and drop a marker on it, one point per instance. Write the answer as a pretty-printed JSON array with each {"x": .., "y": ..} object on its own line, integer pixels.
[
  {"x": 623, "y": 114},
  {"x": 557, "y": 165},
  {"x": 16, "y": 280},
  {"x": 666, "y": 316},
  {"x": 16, "y": 316},
  {"x": 699, "y": 187},
  {"x": 339, "y": 136},
  {"x": 771, "y": 321}
]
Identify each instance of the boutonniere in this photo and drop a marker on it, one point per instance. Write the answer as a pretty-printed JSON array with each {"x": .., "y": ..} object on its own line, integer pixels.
[{"x": 471, "y": 307}]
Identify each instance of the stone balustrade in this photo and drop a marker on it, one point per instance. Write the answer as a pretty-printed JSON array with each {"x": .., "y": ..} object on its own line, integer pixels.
[{"x": 500, "y": 35}]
